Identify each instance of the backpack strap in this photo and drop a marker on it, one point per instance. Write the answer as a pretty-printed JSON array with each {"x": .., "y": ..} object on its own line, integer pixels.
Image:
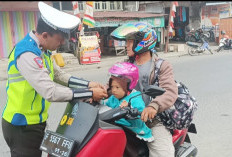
[{"x": 157, "y": 70}]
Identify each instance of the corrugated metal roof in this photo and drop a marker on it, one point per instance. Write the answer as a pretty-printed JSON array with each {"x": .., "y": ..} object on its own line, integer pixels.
[
  {"x": 216, "y": 3},
  {"x": 21, "y": 5},
  {"x": 123, "y": 14}
]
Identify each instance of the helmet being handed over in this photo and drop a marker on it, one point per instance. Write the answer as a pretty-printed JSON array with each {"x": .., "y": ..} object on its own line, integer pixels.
[
  {"x": 127, "y": 71},
  {"x": 142, "y": 33}
]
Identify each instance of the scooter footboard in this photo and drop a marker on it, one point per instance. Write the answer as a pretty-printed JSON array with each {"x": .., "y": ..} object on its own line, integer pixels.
[{"x": 135, "y": 146}]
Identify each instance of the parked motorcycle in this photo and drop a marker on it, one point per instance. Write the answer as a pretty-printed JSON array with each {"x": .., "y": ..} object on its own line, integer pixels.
[
  {"x": 225, "y": 43},
  {"x": 196, "y": 36},
  {"x": 83, "y": 132},
  {"x": 198, "y": 48}
]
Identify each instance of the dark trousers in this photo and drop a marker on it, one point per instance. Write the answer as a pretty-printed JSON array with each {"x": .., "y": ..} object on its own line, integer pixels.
[{"x": 24, "y": 141}]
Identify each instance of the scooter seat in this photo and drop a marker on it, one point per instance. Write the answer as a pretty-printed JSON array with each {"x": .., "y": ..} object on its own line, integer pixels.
[{"x": 189, "y": 43}]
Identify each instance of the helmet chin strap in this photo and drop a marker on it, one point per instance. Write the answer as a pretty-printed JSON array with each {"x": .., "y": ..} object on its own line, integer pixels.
[{"x": 136, "y": 56}]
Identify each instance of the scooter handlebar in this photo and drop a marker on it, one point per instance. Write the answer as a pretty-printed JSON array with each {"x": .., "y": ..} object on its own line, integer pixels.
[
  {"x": 118, "y": 113},
  {"x": 133, "y": 113}
]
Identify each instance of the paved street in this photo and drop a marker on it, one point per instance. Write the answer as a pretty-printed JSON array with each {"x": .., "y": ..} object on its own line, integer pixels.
[{"x": 208, "y": 78}]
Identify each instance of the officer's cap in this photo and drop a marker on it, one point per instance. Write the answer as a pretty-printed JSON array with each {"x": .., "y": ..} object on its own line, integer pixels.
[{"x": 56, "y": 19}]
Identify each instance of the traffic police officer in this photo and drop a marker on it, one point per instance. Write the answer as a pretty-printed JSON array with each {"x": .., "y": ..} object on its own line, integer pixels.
[{"x": 30, "y": 87}]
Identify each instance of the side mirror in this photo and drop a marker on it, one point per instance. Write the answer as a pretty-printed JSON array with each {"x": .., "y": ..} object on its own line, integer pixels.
[{"x": 153, "y": 90}]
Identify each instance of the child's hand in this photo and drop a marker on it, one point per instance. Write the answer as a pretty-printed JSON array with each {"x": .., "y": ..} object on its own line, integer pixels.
[{"x": 124, "y": 104}]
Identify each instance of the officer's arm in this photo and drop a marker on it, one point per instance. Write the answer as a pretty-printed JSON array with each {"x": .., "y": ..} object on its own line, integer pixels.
[{"x": 38, "y": 78}]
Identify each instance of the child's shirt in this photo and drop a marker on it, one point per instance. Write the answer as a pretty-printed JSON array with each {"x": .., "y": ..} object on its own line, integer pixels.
[
  {"x": 136, "y": 125},
  {"x": 136, "y": 102}
]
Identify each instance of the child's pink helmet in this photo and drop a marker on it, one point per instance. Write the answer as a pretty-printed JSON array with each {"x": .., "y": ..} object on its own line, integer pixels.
[{"x": 126, "y": 70}]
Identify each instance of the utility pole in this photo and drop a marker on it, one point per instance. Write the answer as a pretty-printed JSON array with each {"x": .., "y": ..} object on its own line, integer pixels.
[
  {"x": 167, "y": 42},
  {"x": 81, "y": 33},
  {"x": 136, "y": 5},
  {"x": 60, "y": 5}
]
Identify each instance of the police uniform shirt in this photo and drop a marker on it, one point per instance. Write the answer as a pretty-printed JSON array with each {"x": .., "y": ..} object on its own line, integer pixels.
[{"x": 39, "y": 78}]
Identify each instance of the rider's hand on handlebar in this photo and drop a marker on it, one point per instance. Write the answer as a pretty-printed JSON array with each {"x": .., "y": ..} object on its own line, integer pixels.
[
  {"x": 124, "y": 104},
  {"x": 99, "y": 93},
  {"x": 148, "y": 113}
]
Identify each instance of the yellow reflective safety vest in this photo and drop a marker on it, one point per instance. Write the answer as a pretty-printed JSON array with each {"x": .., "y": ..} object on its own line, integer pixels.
[{"x": 24, "y": 105}]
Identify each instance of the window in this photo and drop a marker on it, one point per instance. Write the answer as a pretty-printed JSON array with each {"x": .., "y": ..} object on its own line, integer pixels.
[
  {"x": 80, "y": 5},
  {"x": 112, "y": 5},
  {"x": 67, "y": 6},
  {"x": 103, "y": 5},
  {"x": 119, "y": 5},
  {"x": 97, "y": 5}
]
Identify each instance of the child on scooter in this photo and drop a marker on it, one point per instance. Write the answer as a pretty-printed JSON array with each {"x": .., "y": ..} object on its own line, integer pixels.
[{"x": 124, "y": 77}]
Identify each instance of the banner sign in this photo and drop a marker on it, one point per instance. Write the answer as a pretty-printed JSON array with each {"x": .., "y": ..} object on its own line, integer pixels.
[
  {"x": 90, "y": 51},
  {"x": 115, "y": 22}
]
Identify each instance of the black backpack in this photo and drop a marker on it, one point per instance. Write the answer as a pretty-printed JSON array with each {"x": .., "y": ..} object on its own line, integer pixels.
[{"x": 180, "y": 115}]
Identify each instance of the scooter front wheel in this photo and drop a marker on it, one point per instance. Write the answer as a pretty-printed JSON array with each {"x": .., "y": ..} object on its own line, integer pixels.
[{"x": 192, "y": 51}]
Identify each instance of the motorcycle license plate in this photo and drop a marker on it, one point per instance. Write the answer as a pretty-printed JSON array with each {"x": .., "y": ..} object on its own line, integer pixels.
[{"x": 56, "y": 144}]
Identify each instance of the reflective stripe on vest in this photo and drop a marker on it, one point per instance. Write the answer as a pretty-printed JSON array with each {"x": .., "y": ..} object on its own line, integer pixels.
[{"x": 24, "y": 105}]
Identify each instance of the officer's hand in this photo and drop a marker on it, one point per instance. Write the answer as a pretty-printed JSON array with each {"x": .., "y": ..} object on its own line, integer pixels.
[
  {"x": 98, "y": 93},
  {"x": 95, "y": 85},
  {"x": 106, "y": 86},
  {"x": 148, "y": 113}
]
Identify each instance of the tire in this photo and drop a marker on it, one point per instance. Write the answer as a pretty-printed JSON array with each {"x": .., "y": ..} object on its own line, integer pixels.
[
  {"x": 208, "y": 36},
  {"x": 192, "y": 51}
]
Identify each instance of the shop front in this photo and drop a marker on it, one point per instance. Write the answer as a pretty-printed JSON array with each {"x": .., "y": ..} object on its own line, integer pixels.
[{"x": 181, "y": 23}]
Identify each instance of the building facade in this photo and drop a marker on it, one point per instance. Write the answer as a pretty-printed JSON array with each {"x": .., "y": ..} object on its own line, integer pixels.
[
  {"x": 108, "y": 15},
  {"x": 16, "y": 20},
  {"x": 217, "y": 15}
]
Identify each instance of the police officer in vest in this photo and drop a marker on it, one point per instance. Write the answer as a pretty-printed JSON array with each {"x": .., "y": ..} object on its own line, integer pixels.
[{"x": 31, "y": 87}]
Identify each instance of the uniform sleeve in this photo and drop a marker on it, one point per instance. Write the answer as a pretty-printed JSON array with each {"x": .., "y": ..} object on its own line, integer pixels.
[
  {"x": 38, "y": 78},
  {"x": 166, "y": 81},
  {"x": 60, "y": 76}
]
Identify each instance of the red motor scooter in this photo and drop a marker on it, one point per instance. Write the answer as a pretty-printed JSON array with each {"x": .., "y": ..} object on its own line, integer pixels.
[{"x": 83, "y": 132}]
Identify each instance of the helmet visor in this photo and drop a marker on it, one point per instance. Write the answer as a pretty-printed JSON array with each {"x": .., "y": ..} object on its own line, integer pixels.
[{"x": 124, "y": 32}]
